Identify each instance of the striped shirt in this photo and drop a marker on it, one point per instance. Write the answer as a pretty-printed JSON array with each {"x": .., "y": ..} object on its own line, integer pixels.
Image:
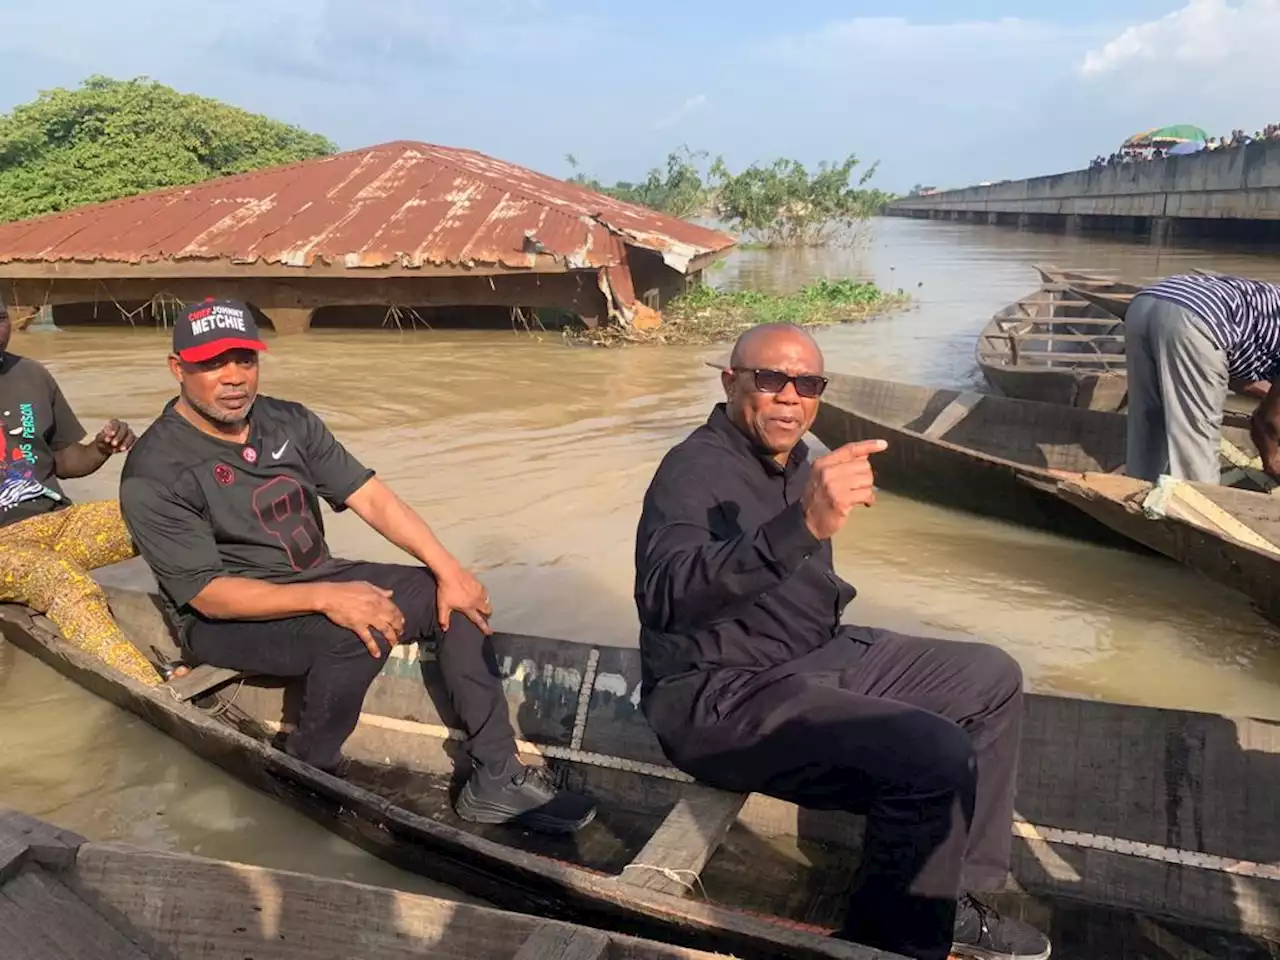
[{"x": 1243, "y": 317}]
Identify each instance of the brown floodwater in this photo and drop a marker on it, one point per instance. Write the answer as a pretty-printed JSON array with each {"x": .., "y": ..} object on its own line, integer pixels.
[{"x": 530, "y": 459}]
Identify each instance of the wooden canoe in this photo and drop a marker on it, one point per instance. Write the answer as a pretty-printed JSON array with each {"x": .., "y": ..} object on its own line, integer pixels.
[
  {"x": 991, "y": 455},
  {"x": 1055, "y": 347},
  {"x": 1133, "y": 824},
  {"x": 62, "y": 896},
  {"x": 1110, "y": 293},
  {"x": 1229, "y": 535}
]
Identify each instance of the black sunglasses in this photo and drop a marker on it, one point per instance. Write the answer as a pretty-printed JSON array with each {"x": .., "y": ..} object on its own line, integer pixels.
[{"x": 775, "y": 381}]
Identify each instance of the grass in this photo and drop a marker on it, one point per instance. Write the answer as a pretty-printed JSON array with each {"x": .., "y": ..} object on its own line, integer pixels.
[{"x": 705, "y": 315}]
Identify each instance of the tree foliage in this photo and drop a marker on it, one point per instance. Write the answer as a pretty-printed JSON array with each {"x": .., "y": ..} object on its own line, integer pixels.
[
  {"x": 783, "y": 204},
  {"x": 679, "y": 191},
  {"x": 112, "y": 138},
  {"x": 778, "y": 204}
]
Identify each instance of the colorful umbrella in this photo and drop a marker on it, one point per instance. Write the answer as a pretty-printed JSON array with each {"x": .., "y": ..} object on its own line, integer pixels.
[
  {"x": 1186, "y": 146},
  {"x": 1163, "y": 136}
]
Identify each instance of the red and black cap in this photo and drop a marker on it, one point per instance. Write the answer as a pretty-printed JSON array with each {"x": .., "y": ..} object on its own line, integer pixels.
[{"x": 213, "y": 327}]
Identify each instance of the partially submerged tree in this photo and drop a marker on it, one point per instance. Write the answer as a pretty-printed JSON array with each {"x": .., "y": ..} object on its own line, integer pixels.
[
  {"x": 778, "y": 204},
  {"x": 679, "y": 191},
  {"x": 113, "y": 138},
  {"x": 782, "y": 204}
]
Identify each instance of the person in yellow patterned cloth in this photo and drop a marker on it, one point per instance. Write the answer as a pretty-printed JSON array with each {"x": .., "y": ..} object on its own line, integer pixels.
[{"x": 47, "y": 543}]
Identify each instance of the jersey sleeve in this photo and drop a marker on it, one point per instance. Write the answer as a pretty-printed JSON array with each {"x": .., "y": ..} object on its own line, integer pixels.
[
  {"x": 334, "y": 471},
  {"x": 172, "y": 537},
  {"x": 66, "y": 428}
]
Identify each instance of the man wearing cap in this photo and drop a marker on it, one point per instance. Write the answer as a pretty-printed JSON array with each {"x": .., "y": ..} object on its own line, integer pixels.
[
  {"x": 47, "y": 543},
  {"x": 221, "y": 495}
]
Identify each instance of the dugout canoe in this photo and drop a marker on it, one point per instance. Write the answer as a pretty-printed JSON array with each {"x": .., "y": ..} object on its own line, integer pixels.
[
  {"x": 986, "y": 454},
  {"x": 1106, "y": 291},
  {"x": 63, "y": 896},
  {"x": 1056, "y": 347},
  {"x": 1228, "y": 535},
  {"x": 1134, "y": 825}
]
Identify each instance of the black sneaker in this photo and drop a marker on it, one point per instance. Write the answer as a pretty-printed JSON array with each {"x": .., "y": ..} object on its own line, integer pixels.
[
  {"x": 983, "y": 934},
  {"x": 523, "y": 796}
]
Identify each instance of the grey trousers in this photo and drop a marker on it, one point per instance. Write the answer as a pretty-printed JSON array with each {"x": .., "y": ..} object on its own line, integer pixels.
[{"x": 1177, "y": 389}]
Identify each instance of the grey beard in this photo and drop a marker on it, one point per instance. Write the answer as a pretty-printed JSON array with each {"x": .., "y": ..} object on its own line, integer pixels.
[{"x": 217, "y": 416}]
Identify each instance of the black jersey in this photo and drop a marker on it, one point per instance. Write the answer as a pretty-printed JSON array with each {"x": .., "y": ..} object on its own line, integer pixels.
[
  {"x": 37, "y": 422},
  {"x": 199, "y": 507}
]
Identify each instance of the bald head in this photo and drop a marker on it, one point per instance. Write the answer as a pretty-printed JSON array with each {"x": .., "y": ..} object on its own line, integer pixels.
[
  {"x": 755, "y": 347},
  {"x": 775, "y": 417}
]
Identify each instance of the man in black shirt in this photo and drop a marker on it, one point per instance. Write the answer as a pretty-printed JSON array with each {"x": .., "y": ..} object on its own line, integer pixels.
[
  {"x": 221, "y": 495},
  {"x": 752, "y": 684},
  {"x": 47, "y": 543}
]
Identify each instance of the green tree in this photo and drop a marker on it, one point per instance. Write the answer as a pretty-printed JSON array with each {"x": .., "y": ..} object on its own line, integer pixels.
[
  {"x": 113, "y": 138},
  {"x": 783, "y": 204},
  {"x": 680, "y": 190}
]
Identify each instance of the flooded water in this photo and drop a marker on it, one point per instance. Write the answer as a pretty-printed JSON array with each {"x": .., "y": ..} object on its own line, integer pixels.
[{"x": 530, "y": 459}]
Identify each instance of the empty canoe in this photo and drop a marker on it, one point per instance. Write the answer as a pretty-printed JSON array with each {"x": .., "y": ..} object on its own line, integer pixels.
[{"x": 1056, "y": 347}]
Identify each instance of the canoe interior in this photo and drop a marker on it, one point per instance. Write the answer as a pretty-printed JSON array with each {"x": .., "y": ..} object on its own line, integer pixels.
[
  {"x": 1093, "y": 280},
  {"x": 1054, "y": 329},
  {"x": 1106, "y": 291},
  {"x": 1053, "y": 346},
  {"x": 1096, "y": 780},
  {"x": 63, "y": 896},
  {"x": 1041, "y": 435}
]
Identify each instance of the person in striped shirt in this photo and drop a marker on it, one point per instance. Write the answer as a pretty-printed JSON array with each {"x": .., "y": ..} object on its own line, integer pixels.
[{"x": 1188, "y": 340}]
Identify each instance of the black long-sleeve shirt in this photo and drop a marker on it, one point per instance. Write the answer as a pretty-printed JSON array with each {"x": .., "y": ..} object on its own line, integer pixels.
[{"x": 727, "y": 573}]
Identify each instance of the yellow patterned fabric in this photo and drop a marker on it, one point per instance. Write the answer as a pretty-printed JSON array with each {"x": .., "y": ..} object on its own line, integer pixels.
[{"x": 43, "y": 562}]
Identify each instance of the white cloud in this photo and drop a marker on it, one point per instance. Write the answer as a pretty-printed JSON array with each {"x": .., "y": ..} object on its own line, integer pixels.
[
  {"x": 691, "y": 105},
  {"x": 1209, "y": 63},
  {"x": 1203, "y": 35}
]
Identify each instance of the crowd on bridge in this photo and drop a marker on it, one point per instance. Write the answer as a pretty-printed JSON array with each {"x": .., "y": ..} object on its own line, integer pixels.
[{"x": 1237, "y": 138}]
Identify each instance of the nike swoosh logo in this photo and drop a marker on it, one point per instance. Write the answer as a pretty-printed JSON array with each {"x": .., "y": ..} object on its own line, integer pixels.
[{"x": 277, "y": 454}]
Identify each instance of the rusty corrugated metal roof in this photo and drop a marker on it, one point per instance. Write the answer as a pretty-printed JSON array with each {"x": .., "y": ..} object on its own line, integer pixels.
[{"x": 401, "y": 205}]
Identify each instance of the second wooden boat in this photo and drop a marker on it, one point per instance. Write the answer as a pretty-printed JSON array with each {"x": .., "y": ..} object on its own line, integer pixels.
[
  {"x": 1056, "y": 347},
  {"x": 987, "y": 454},
  {"x": 1057, "y": 468},
  {"x": 1230, "y": 536},
  {"x": 1108, "y": 292},
  {"x": 1134, "y": 825},
  {"x": 62, "y": 896}
]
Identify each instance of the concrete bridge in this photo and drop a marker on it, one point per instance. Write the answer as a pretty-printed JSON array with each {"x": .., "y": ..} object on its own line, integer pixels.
[{"x": 1232, "y": 193}]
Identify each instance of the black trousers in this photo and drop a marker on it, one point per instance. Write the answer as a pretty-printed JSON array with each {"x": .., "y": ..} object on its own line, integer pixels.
[
  {"x": 339, "y": 668},
  {"x": 919, "y": 734}
]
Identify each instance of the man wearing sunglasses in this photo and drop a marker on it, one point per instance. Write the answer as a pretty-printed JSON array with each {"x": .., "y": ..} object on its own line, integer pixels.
[{"x": 752, "y": 684}]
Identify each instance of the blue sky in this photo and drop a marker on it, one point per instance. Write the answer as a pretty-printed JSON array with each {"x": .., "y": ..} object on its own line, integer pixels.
[{"x": 939, "y": 93}]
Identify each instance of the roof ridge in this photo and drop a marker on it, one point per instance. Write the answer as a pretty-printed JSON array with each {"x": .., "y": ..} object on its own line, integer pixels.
[{"x": 393, "y": 178}]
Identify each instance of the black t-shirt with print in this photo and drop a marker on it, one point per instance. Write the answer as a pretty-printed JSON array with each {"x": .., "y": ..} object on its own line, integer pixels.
[
  {"x": 199, "y": 507},
  {"x": 37, "y": 422}
]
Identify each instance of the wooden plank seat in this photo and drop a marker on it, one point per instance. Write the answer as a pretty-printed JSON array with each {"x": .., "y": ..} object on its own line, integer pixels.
[
  {"x": 678, "y": 850},
  {"x": 202, "y": 678},
  {"x": 951, "y": 414}
]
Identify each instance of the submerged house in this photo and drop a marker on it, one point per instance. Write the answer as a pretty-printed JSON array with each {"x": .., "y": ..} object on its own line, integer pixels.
[{"x": 400, "y": 225}]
